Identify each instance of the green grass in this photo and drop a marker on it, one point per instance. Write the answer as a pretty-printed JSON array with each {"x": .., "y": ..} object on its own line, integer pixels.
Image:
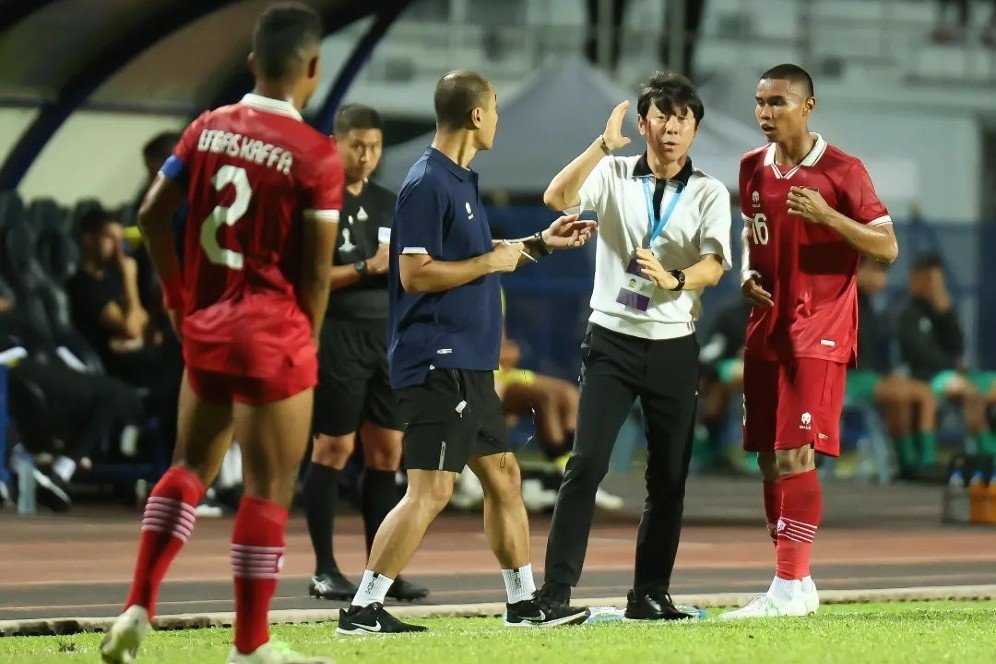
[{"x": 890, "y": 632}]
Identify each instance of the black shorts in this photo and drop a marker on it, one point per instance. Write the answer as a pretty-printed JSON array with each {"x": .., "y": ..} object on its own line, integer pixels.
[
  {"x": 353, "y": 384},
  {"x": 453, "y": 415}
]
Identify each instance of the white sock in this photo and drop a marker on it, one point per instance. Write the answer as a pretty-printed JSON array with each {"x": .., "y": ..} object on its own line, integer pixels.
[
  {"x": 519, "y": 584},
  {"x": 373, "y": 588},
  {"x": 785, "y": 589},
  {"x": 807, "y": 585},
  {"x": 64, "y": 467}
]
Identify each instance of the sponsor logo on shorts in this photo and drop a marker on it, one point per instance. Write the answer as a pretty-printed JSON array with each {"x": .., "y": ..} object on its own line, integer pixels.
[
  {"x": 444, "y": 351},
  {"x": 806, "y": 421}
]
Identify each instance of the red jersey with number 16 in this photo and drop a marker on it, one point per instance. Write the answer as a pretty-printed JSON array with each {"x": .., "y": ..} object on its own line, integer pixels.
[
  {"x": 809, "y": 269},
  {"x": 252, "y": 172}
]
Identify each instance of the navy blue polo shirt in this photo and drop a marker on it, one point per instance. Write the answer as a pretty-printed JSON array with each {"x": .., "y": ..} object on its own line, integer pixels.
[{"x": 439, "y": 213}]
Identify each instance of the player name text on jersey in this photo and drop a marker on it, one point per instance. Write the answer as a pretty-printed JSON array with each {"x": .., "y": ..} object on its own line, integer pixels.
[{"x": 244, "y": 147}]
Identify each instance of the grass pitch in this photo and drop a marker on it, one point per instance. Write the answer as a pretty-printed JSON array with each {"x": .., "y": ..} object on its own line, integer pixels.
[{"x": 888, "y": 632}]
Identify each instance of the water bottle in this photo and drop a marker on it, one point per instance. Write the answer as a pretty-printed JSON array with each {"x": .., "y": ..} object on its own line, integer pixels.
[
  {"x": 955, "y": 499},
  {"x": 24, "y": 466},
  {"x": 977, "y": 508}
]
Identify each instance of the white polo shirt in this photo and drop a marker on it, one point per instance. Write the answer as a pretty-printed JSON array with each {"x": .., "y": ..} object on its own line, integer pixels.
[{"x": 699, "y": 225}]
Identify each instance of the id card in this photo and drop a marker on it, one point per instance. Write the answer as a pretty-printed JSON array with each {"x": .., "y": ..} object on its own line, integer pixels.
[
  {"x": 637, "y": 289},
  {"x": 384, "y": 234}
]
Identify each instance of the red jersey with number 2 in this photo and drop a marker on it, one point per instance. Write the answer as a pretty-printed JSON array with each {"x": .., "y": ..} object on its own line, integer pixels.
[
  {"x": 809, "y": 269},
  {"x": 252, "y": 172}
]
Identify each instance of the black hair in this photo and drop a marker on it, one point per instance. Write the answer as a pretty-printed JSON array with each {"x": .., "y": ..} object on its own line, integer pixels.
[
  {"x": 282, "y": 35},
  {"x": 457, "y": 94},
  {"x": 160, "y": 146},
  {"x": 670, "y": 93},
  {"x": 793, "y": 74},
  {"x": 94, "y": 220},
  {"x": 356, "y": 116},
  {"x": 927, "y": 261}
]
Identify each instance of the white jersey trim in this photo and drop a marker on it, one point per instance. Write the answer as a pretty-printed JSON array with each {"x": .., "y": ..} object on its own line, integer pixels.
[
  {"x": 271, "y": 105},
  {"x": 881, "y": 221},
  {"x": 819, "y": 148},
  {"x": 419, "y": 251},
  {"x": 322, "y": 215}
]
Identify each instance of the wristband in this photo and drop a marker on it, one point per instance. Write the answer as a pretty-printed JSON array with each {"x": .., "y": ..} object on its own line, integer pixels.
[
  {"x": 605, "y": 148},
  {"x": 680, "y": 277},
  {"x": 173, "y": 291}
]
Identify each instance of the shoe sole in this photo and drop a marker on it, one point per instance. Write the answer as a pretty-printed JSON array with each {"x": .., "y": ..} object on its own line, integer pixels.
[
  {"x": 362, "y": 632},
  {"x": 575, "y": 619},
  {"x": 659, "y": 620},
  {"x": 340, "y": 597},
  {"x": 410, "y": 598}
]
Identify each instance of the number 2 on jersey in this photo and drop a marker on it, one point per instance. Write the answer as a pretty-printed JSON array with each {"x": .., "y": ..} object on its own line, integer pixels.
[
  {"x": 759, "y": 228},
  {"x": 226, "y": 214}
]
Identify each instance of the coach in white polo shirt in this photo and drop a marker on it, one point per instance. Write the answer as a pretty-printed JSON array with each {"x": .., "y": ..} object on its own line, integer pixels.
[{"x": 664, "y": 235}]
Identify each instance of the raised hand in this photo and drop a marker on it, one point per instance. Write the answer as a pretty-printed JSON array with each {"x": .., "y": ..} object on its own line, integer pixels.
[
  {"x": 613, "y": 135},
  {"x": 808, "y": 204},
  {"x": 652, "y": 268}
]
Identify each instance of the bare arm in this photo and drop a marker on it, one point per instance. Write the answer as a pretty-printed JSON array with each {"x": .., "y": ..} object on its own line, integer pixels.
[
  {"x": 876, "y": 242},
  {"x": 341, "y": 276},
  {"x": 155, "y": 219},
  {"x": 421, "y": 273},
  {"x": 316, "y": 269},
  {"x": 707, "y": 272},
  {"x": 564, "y": 190}
]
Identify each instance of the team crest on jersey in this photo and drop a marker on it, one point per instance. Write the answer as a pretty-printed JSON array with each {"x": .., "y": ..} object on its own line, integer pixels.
[
  {"x": 755, "y": 199},
  {"x": 361, "y": 215},
  {"x": 806, "y": 421},
  {"x": 347, "y": 243},
  {"x": 470, "y": 212}
]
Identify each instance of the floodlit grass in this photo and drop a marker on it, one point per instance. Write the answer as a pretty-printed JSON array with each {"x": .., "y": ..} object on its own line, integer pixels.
[{"x": 887, "y": 632}]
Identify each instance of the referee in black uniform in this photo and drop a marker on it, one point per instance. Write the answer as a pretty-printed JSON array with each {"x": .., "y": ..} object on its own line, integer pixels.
[{"x": 354, "y": 391}]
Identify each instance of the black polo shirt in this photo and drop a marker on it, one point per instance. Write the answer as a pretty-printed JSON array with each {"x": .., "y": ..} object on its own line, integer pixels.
[
  {"x": 439, "y": 213},
  {"x": 360, "y": 224}
]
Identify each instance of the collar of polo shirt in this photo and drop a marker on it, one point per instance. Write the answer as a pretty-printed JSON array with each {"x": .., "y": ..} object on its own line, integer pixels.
[
  {"x": 642, "y": 170},
  {"x": 461, "y": 173}
]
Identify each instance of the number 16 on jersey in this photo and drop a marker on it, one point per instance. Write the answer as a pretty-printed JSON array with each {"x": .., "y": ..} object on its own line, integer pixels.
[{"x": 758, "y": 225}]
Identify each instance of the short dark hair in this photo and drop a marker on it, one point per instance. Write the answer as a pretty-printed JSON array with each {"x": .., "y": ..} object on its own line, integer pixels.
[
  {"x": 356, "y": 116},
  {"x": 282, "y": 34},
  {"x": 160, "y": 146},
  {"x": 457, "y": 94},
  {"x": 670, "y": 93},
  {"x": 793, "y": 74},
  {"x": 927, "y": 261},
  {"x": 94, "y": 220}
]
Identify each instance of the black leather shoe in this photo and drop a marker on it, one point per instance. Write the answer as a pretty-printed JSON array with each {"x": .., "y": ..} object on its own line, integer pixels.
[
  {"x": 554, "y": 594},
  {"x": 332, "y": 585},
  {"x": 653, "y": 606},
  {"x": 404, "y": 590}
]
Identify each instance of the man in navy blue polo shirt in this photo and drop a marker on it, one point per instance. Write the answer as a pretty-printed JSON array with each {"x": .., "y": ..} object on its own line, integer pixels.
[{"x": 445, "y": 331}]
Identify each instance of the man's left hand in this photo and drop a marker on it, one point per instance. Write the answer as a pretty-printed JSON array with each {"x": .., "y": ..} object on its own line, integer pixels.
[
  {"x": 653, "y": 269},
  {"x": 808, "y": 204},
  {"x": 568, "y": 231}
]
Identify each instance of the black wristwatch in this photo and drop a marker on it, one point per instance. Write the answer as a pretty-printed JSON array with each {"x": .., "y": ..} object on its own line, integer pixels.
[
  {"x": 680, "y": 276},
  {"x": 541, "y": 246},
  {"x": 360, "y": 267}
]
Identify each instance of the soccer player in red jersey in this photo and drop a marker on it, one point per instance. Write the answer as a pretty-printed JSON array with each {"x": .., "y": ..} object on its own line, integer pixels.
[
  {"x": 810, "y": 212},
  {"x": 263, "y": 191}
]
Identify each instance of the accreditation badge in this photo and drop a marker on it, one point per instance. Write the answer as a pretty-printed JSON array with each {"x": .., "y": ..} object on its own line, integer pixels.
[{"x": 637, "y": 289}]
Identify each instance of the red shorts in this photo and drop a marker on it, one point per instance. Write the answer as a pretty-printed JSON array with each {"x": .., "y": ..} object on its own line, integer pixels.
[
  {"x": 788, "y": 405},
  {"x": 223, "y": 388}
]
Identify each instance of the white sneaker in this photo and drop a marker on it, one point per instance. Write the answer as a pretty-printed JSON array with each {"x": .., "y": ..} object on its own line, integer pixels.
[
  {"x": 468, "y": 494},
  {"x": 122, "y": 640},
  {"x": 274, "y": 652},
  {"x": 768, "y": 606},
  {"x": 536, "y": 498},
  {"x": 606, "y": 501},
  {"x": 810, "y": 596}
]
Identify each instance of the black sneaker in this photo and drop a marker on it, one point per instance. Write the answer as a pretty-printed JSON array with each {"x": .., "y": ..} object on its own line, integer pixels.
[
  {"x": 332, "y": 585},
  {"x": 51, "y": 491},
  {"x": 404, "y": 590},
  {"x": 554, "y": 594},
  {"x": 533, "y": 613},
  {"x": 653, "y": 606},
  {"x": 372, "y": 619}
]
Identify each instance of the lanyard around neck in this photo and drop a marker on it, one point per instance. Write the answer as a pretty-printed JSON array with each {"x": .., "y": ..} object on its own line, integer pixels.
[{"x": 657, "y": 224}]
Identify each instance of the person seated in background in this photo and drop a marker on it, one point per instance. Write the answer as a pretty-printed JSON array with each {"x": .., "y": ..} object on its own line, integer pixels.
[
  {"x": 77, "y": 410},
  {"x": 107, "y": 310},
  {"x": 932, "y": 344},
  {"x": 908, "y": 405},
  {"x": 721, "y": 360}
]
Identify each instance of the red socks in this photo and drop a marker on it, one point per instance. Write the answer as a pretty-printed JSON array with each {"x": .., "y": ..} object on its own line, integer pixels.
[
  {"x": 257, "y": 557},
  {"x": 772, "y": 507},
  {"x": 799, "y": 517},
  {"x": 167, "y": 524}
]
